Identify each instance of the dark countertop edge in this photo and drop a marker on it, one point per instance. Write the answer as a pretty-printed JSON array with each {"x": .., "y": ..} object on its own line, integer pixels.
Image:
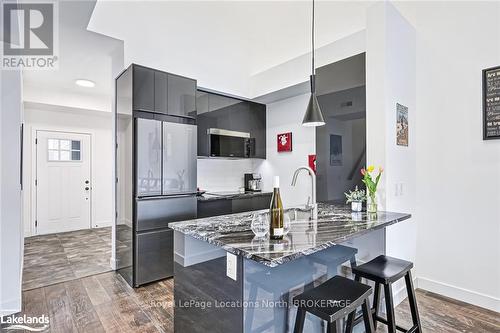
[
  {"x": 283, "y": 260},
  {"x": 246, "y": 195}
]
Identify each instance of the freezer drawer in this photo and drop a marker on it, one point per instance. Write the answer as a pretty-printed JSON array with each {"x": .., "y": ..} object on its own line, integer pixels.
[
  {"x": 179, "y": 158},
  {"x": 155, "y": 213},
  {"x": 154, "y": 256}
]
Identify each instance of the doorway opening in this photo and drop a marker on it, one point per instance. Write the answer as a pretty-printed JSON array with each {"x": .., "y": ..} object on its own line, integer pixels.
[
  {"x": 68, "y": 219},
  {"x": 341, "y": 143}
]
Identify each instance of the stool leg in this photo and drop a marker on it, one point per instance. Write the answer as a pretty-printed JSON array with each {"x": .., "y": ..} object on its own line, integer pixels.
[
  {"x": 376, "y": 302},
  {"x": 350, "y": 318},
  {"x": 367, "y": 317},
  {"x": 332, "y": 327},
  {"x": 350, "y": 322},
  {"x": 299, "y": 320},
  {"x": 389, "y": 308},
  {"x": 413, "y": 302}
]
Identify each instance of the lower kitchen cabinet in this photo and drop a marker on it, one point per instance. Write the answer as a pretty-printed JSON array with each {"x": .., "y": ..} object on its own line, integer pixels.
[
  {"x": 214, "y": 207},
  {"x": 224, "y": 206}
]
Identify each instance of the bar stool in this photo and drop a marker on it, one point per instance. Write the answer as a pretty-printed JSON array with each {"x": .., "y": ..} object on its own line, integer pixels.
[
  {"x": 385, "y": 270},
  {"x": 334, "y": 300}
]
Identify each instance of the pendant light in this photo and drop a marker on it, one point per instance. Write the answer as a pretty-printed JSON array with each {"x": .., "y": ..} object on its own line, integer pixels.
[{"x": 313, "y": 116}]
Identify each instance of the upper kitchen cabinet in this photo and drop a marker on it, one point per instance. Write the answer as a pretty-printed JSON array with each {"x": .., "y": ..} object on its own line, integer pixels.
[
  {"x": 161, "y": 92},
  {"x": 143, "y": 88},
  {"x": 236, "y": 126},
  {"x": 181, "y": 96}
]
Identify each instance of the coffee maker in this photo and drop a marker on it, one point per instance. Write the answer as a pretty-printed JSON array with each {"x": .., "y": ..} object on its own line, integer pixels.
[{"x": 253, "y": 182}]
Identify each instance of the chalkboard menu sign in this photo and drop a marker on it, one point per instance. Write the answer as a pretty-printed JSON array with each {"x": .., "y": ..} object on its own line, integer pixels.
[{"x": 491, "y": 103}]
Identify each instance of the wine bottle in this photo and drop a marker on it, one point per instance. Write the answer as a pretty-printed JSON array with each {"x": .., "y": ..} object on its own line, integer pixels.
[{"x": 276, "y": 212}]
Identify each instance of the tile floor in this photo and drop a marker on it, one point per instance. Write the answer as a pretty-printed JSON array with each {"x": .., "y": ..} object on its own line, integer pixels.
[{"x": 61, "y": 257}]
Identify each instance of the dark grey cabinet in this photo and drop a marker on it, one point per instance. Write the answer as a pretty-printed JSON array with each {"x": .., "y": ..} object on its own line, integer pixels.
[
  {"x": 228, "y": 113},
  {"x": 143, "y": 88},
  {"x": 181, "y": 98},
  {"x": 214, "y": 207},
  {"x": 161, "y": 92},
  {"x": 224, "y": 206}
]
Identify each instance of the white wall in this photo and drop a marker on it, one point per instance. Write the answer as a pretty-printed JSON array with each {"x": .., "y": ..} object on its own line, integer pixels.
[
  {"x": 11, "y": 241},
  {"x": 390, "y": 79},
  {"x": 98, "y": 124},
  {"x": 458, "y": 188},
  {"x": 298, "y": 69},
  {"x": 216, "y": 175},
  {"x": 286, "y": 116}
]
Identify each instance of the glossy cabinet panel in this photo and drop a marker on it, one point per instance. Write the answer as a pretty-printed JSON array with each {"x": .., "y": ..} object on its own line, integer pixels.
[
  {"x": 224, "y": 206},
  {"x": 222, "y": 112},
  {"x": 158, "y": 212},
  {"x": 181, "y": 96},
  {"x": 179, "y": 158},
  {"x": 154, "y": 259},
  {"x": 143, "y": 88},
  {"x": 148, "y": 157},
  {"x": 161, "y": 95}
]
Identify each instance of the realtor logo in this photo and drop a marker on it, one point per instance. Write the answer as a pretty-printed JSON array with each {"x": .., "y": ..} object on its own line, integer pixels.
[{"x": 29, "y": 35}]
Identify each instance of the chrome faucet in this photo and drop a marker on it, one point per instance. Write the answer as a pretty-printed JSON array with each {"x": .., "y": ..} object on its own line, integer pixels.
[{"x": 311, "y": 203}]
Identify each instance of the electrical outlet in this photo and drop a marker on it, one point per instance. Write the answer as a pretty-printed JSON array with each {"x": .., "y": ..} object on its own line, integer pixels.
[{"x": 231, "y": 266}]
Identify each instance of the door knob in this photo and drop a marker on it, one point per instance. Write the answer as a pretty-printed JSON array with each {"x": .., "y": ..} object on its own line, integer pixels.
[{"x": 86, "y": 189}]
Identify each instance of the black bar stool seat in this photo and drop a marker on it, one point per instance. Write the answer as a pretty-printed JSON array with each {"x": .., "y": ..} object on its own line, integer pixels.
[
  {"x": 384, "y": 271},
  {"x": 334, "y": 300}
]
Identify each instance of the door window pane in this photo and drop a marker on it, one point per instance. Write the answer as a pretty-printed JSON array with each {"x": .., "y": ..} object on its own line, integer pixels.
[
  {"x": 75, "y": 155},
  {"x": 53, "y": 155},
  {"x": 65, "y": 155},
  {"x": 64, "y": 150},
  {"x": 53, "y": 144},
  {"x": 64, "y": 144}
]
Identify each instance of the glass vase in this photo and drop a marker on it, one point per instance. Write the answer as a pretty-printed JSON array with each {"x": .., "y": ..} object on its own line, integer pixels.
[{"x": 371, "y": 206}]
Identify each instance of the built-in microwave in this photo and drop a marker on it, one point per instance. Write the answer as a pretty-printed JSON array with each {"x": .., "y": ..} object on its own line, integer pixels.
[{"x": 226, "y": 143}]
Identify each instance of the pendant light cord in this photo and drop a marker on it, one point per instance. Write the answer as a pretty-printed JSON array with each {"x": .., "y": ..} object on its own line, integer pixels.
[{"x": 312, "y": 33}]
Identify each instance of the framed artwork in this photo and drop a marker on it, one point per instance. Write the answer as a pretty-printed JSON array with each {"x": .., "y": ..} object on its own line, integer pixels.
[
  {"x": 401, "y": 125},
  {"x": 284, "y": 142},
  {"x": 312, "y": 162},
  {"x": 491, "y": 103},
  {"x": 335, "y": 150}
]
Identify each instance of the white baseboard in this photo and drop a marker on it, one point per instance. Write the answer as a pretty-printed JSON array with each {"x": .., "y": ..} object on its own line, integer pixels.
[
  {"x": 461, "y": 294},
  {"x": 113, "y": 263},
  {"x": 102, "y": 224}
]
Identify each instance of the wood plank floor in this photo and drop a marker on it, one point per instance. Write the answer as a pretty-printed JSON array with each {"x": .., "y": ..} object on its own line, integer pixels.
[
  {"x": 106, "y": 303},
  {"x": 66, "y": 256}
]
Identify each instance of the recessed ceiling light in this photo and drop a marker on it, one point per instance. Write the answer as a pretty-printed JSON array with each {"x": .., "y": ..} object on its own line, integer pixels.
[{"x": 85, "y": 83}]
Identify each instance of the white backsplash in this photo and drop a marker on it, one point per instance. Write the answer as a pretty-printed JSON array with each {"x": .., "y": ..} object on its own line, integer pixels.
[{"x": 224, "y": 174}]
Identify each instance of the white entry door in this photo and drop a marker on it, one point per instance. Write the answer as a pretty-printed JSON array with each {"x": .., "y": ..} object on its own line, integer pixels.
[{"x": 63, "y": 182}]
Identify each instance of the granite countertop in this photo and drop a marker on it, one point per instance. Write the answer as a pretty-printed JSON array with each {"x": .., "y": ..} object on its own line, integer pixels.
[
  {"x": 230, "y": 195},
  {"x": 334, "y": 224}
]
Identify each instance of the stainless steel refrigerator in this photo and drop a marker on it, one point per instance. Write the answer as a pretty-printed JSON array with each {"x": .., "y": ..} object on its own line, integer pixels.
[{"x": 165, "y": 191}]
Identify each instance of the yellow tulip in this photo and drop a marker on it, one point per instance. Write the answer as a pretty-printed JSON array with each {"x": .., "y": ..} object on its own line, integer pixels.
[{"x": 370, "y": 168}]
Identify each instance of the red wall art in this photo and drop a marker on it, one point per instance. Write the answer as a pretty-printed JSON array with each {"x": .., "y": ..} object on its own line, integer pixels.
[{"x": 284, "y": 142}]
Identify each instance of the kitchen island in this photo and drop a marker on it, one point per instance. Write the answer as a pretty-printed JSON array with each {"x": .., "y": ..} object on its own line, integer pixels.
[{"x": 228, "y": 280}]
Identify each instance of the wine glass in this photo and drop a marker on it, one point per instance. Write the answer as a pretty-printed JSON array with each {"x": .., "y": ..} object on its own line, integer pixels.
[
  {"x": 287, "y": 223},
  {"x": 260, "y": 224}
]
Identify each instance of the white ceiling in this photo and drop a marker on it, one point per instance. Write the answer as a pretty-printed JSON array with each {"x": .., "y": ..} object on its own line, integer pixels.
[
  {"x": 82, "y": 55},
  {"x": 223, "y": 43}
]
